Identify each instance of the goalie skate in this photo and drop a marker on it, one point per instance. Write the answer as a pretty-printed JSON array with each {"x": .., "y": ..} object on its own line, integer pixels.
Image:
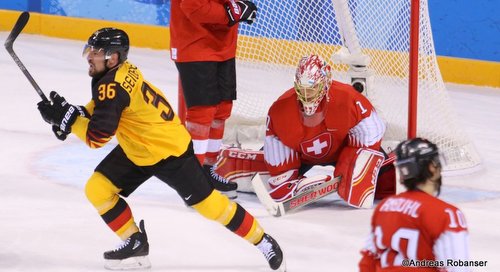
[{"x": 131, "y": 254}]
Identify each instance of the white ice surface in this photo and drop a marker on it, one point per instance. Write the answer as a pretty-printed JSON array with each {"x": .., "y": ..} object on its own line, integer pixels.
[{"x": 47, "y": 224}]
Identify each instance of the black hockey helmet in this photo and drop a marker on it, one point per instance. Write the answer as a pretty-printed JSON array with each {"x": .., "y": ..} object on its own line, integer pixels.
[
  {"x": 111, "y": 40},
  {"x": 412, "y": 161}
]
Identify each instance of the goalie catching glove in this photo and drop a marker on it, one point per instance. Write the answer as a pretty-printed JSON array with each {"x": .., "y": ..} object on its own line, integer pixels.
[
  {"x": 60, "y": 114},
  {"x": 238, "y": 11}
]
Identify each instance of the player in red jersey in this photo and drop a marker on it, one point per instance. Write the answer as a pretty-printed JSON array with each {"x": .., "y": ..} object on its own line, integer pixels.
[
  {"x": 321, "y": 121},
  {"x": 203, "y": 37},
  {"x": 414, "y": 230}
]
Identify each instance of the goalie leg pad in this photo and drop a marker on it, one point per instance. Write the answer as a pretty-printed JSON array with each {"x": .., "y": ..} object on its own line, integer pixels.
[
  {"x": 386, "y": 181},
  {"x": 238, "y": 165},
  {"x": 359, "y": 169}
]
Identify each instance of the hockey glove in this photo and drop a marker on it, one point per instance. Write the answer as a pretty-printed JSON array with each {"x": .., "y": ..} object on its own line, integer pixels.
[
  {"x": 60, "y": 135},
  {"x": 59, "y": 113},
  {"x": 243, "y": 10}
]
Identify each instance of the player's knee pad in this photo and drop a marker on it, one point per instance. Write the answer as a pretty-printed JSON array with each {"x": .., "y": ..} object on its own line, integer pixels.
[
  {"x": 359, "y": 169},
  {"x": 216, "y": 207},
  {"x": 101, "y": 192}
]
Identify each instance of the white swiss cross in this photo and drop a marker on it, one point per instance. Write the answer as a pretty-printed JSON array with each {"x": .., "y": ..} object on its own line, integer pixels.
[{"x": 317, "y": 147}]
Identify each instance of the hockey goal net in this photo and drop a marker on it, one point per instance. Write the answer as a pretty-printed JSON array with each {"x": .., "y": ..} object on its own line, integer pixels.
[{"x": 362, "y": 39}]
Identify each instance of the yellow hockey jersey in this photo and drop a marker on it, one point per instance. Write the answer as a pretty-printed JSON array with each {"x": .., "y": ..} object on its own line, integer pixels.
[{"x": 126, "y": 105}]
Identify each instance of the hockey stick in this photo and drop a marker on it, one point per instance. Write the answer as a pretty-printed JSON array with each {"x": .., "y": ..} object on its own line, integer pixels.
[
  {"x": 281, "y": 208},
  {"x": 16, "y": 30}
]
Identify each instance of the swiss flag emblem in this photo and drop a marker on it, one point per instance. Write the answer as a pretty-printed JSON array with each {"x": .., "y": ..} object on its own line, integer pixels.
[{"x": 318, "y": 146}]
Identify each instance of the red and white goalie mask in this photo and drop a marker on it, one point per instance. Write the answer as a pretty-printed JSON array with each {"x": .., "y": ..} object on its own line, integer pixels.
[{"x": 312, "y": 81}]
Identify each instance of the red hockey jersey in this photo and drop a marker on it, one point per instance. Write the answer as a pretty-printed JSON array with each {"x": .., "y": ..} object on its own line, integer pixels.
[
  {"x": 415, "y": 231},
  {"x": 199, "y": 31},
  {"x": 349, "y": 120}
]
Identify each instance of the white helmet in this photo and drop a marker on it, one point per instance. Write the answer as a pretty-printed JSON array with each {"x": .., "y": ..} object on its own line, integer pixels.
[{"x": 312, "y": 81}]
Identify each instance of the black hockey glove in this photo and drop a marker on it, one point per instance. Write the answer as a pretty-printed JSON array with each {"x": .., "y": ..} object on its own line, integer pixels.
[
  {"x": 242, "y": 10},
  {"x": 60, "y": 135},
  {"x": 59, "y": 113}
]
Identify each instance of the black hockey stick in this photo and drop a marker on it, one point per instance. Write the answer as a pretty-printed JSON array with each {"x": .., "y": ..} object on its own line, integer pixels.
[{"x": 16, "y": 30}]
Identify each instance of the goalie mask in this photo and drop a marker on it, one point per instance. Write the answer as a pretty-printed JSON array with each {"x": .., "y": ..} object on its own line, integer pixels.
[
  {"x": 413, "y": 158},
  {"x": 312, "y": 81},
  {"x": 111, "y": 40}
]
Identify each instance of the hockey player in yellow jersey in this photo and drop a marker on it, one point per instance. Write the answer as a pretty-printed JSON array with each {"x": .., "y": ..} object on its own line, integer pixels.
[{"x": 152, "y": 142}]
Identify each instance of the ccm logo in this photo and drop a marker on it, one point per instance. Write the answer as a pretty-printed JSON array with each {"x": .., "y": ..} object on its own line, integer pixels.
[
  {"x": 375, "y": 170},
  {"x": 241, "y": 155}
]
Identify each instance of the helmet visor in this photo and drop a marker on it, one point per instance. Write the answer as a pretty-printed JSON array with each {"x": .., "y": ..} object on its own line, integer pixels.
[
  {"x": 309, "y": 94},
  {"x": 94, "y": 52}
]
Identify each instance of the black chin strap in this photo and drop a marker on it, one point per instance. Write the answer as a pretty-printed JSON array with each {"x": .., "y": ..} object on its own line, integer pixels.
[{"x": 106, "y": 70}]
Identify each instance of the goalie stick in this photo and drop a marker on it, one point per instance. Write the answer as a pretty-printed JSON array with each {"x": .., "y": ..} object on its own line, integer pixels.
[
  {"x": 281, "y": 208},
  {"x": 16, "y": 30}
]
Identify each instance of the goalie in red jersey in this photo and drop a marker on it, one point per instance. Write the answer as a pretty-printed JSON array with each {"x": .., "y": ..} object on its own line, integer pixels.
[
  {"x": 414, "y": 230},
  {"x": 320, "y": 121}
]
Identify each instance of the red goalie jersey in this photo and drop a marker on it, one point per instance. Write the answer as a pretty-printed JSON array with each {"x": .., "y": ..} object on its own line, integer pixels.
[
  {"x": 415, "y": 231},
  {"x": 346, "y": 119}
]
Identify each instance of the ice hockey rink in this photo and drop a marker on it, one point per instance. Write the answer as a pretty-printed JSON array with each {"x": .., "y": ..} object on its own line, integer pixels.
[{"x": 47, "y": 224}]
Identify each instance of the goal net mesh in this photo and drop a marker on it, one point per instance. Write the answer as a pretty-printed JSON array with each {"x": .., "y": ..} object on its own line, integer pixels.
[{"x": 269, "y": 50}]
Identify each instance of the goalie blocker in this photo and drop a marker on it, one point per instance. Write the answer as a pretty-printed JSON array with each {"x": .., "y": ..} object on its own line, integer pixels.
[{"x": 367, "y": 175}]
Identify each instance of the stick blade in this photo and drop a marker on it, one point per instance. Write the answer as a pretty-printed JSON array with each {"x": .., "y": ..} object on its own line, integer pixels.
[
  {"x": 274, "y": 208},
  {"x": 16, "y": 30}
]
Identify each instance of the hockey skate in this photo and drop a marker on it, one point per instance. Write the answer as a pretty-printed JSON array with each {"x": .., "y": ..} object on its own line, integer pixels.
[
  {"x": 131, "y": 254},
  {"x": 272, "y": 251},
  {"x": 221, "y": 184}
]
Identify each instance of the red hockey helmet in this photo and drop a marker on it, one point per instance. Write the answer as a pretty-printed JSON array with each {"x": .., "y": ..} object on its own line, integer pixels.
[{"x": 312, "y": 81}]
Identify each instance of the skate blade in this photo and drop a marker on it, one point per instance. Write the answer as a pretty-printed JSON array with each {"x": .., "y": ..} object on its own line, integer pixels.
[
  {"x": 230, "y": 194},
  {"x": 282, "y": 267},
  {"x": 132, "y": 263}
]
